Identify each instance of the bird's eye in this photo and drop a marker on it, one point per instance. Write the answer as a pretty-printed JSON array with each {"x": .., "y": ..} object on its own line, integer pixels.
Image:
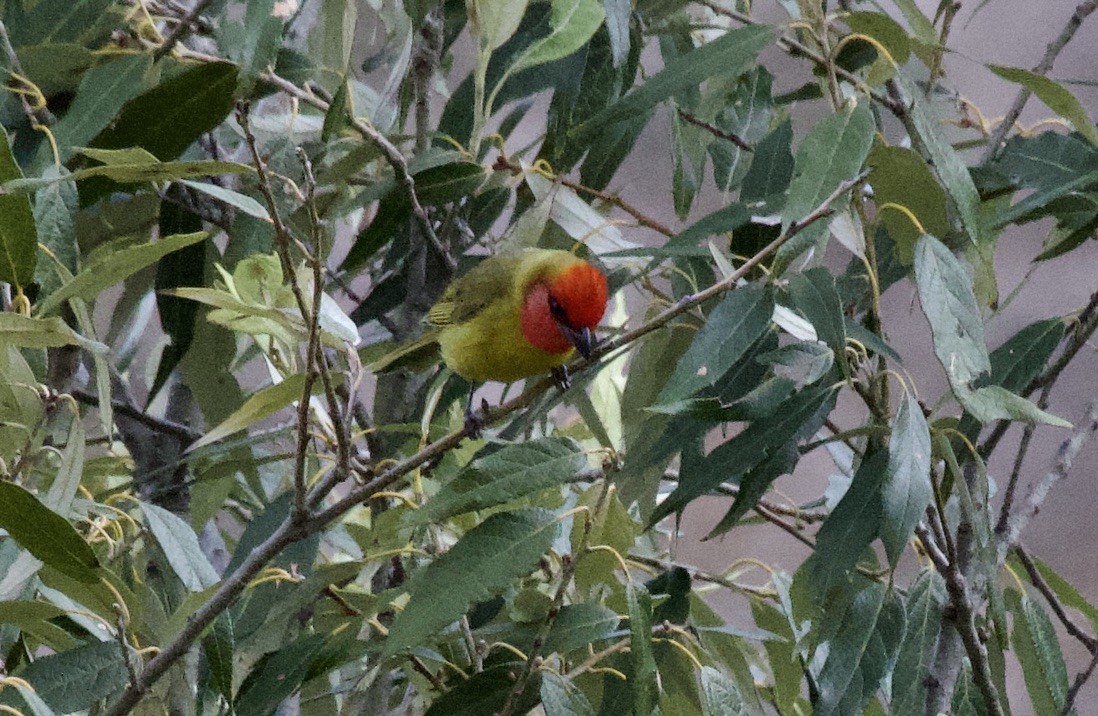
[{"x": 557, "y": 311}]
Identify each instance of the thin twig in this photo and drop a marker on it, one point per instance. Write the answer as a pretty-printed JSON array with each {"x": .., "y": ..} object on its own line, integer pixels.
[
  {"x": 310, "y": 316},
  {"x": 1043, "y": 587},
  {"x": 392, "y": 155},
  {"x": 502, "y": 163},
  {"x": 798, "y": 49},
  {"x": 1064, "y": 457},
  {"x": 185, "y": 433},
  {"x": 1043, "y": 67},
  {"x": 292, "y": 531},
  {"x": 1077, "y": 686},
  {"x": 698, "y": 574},
  {"x": 785, "y": 526},
  {"x": 1085, "y": 327},
  {"x": 182, "y": 30},
  {"x": 1016, "y": 471},
  {"x": 716, "y": 131}
]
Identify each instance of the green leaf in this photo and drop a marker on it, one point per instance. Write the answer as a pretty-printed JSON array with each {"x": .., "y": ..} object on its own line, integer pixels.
[
  {"x": 55, "y": 208},
  {"x": 862, "y": 651},
  {"x": 731, "y": 329},
  {"x": 1020, "y": 359},
  {"x": 643, "y": 682},
  {"x": 560, "y": 697},
  {"x": 900, "y": 176},
  {"x": 261, "y": 404},
  {"x": 746, "y": 112},
  {"x": 18, "y": 237},
  {"x": 486, "y": 691},
  {"x": 617, "y": 25},
  {"x": 34, "y": 618},
  {"x": 771, "y": 168},
  {"x": 170, "y": 117},
  {"x": 847, "y": 531},
  {"x": 180, "y": 546},
  {"x": 217, "y": 647},
  {"x": 951, "y": 169},
  {"x": 890, "y": 34},
  {"x": 27, "y": 332},
  {"x": 50, "y": 21},
  {"x": 1067, "y": 593},
  {"x": 235, "y": 199},
  {"x": 484, "y": 562},
  {"x": 925, "y": 601},
  {"x": 784, "y": 664},
  {"x": 335, "y": 119},
  {"x": 573, "y": 23},
  {"x": 103, "y": 91},
  {"x": 728, "y": 55},
  {"x": 512, "y": 472},
  {"x": 833, "y": 152},
  {"x": 250, "y": 34},
  {"x": 993, "y": 402},
  {"x": 75, "y": 680},
  {"x": 1053, "y": 94},
  {"x": 720, "y": 696},
  {"x": 114, "y": 263},
  {"x": 907, "y": 489},
  {"x": 762, "y": 440},
  {"x": 814, "y": 295},
  {"x": 923, "y": 28},
  {"x": 495, "y": 21},
  {"x": 46, "y": 534},
  {"x": 66, "y": 482},
  {"x": 578, "y": 625},
  {"x": 945, "y": 292},
  {"x": 185, "y": 267},
  {"x": 1038, "y": 651},
  {"x": 277, "y": 676}
]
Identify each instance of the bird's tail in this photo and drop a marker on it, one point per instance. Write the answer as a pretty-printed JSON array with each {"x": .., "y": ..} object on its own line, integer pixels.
[{"x": 414, "y": 355}]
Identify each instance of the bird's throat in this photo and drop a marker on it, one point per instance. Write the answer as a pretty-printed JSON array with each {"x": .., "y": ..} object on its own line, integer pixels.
[{"x": 538, "y": 325}]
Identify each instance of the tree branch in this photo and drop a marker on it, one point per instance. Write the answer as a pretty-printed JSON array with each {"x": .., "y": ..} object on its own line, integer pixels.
[
  {"x": 1043, "y": 587},
  {"x": 1051, "y": 53},
  {"x": 294, "y": 530}
]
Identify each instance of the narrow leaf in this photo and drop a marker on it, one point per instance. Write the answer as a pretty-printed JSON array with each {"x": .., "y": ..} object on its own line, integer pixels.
[
  {"x": 732, "y": 327},
  {"x": 514, "y": 471},
  {"x": 907, "y": 489},
  {"x": 261, "y": 404},
  {"x": 18, "y": 237},
  {"x": 111, "y": 265},
  {"x": 180, "y": 546},
  {"x": 485, "y": 561},
  {"x": 573, "y": 23},
  {"x": 46, "y": 534},
  {"x": 1053, "y": 94}
]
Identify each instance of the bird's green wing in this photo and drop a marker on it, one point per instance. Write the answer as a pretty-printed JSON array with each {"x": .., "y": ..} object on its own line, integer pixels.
[{"x": 467, "y": 296}]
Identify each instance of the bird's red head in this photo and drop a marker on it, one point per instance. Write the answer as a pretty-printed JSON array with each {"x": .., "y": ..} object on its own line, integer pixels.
[{"x": 559, "y": 314}]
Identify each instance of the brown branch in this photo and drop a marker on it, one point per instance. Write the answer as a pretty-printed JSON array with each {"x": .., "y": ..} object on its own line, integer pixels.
[
  {"x": 798, "y": 49},
  {"x": 1054, "y": 603},
  {"x": 185, "y": 433},
  {"x": 1085, "y": 327},
  {"x": 716, "y": 131},
  {"x": 294, "y": 530},
  {"x": 502, "y": 163},
  {"x": 1077, "y": 686},
  {"x": 1064, "y": 457},
  {"x": 1043, "y": 67},
  {"x": 182, "y": 30},
  {"x": 392, "y": 155}
]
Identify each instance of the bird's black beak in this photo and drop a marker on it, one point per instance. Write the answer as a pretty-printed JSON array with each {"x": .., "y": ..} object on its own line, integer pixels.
[{"x": 582, "y": 338}]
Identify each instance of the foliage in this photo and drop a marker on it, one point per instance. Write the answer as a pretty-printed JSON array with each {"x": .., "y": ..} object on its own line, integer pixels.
[{"x": 233, "y": 479}]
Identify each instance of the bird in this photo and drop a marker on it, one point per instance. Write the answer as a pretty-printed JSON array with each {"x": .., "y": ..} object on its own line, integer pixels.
[{"x": 515, "y": 315}]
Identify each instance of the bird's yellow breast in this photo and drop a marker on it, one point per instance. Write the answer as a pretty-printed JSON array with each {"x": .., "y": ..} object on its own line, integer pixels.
[{"x": 491, "y": 346}]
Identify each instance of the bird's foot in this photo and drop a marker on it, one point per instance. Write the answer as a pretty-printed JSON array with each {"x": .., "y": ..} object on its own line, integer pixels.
[
  {"x": 474, "y": 422},
  {"x": 560, "y": 375}
]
